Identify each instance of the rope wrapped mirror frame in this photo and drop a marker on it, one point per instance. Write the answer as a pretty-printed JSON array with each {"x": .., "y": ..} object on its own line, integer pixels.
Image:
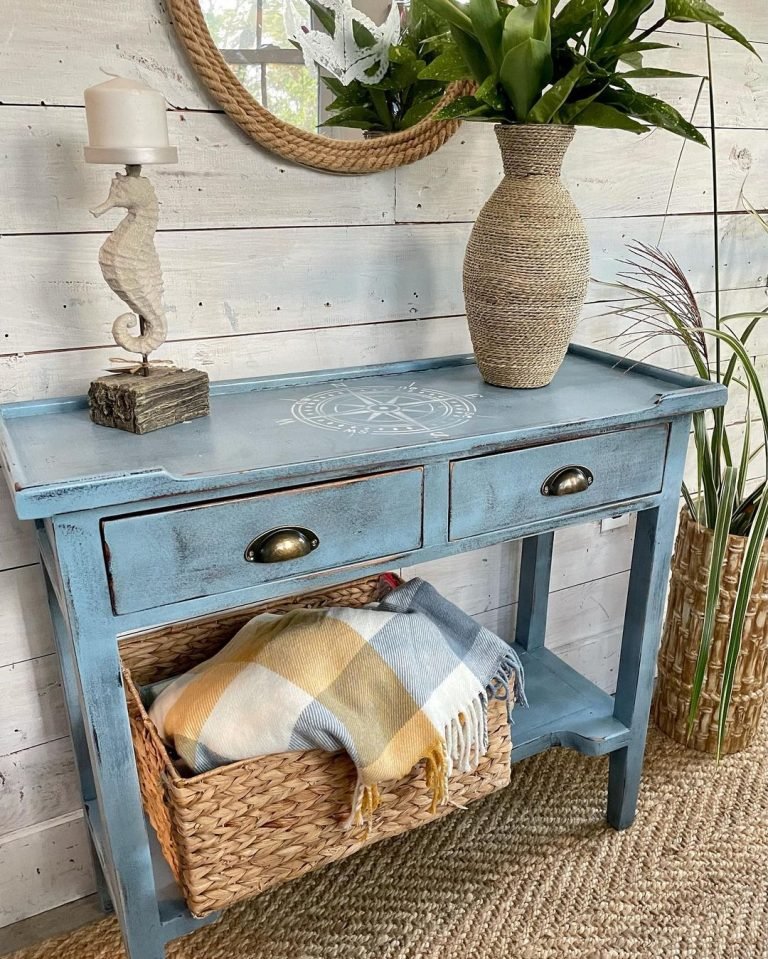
[{"x": 301, "y": 146}]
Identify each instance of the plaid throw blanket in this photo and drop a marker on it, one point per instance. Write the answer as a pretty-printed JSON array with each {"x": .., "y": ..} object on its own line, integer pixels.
[{"x": 405, "y": 680}]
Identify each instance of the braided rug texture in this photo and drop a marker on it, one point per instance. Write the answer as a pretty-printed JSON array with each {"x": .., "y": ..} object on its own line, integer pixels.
[{"x": 530, "y": 873}]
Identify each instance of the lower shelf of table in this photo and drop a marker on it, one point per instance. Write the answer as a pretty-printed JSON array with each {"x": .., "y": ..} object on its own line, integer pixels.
[{"x": 566, "y": 710}]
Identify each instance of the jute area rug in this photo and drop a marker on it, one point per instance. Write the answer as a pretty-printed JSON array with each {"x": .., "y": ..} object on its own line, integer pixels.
[{"x": 531, "y": 873}]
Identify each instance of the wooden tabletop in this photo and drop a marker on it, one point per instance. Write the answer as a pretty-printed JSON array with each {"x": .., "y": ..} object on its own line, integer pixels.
[{"x": 309, "y": 424}]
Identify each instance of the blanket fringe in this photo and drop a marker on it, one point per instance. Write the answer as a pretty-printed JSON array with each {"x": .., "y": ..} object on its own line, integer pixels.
[{"x": 463, "y": 744}]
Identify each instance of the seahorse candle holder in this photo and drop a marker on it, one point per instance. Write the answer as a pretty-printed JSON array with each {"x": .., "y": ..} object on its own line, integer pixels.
[{"x": 127, "y": 124}]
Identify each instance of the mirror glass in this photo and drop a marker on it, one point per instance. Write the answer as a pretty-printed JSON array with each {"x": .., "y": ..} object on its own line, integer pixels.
[{"x": 253, "y": 39}]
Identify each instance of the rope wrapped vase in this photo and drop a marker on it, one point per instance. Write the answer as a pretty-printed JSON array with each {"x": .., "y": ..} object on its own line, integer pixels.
[
  {"x": 682, "y": 636},
  {"x": 526, "y": 267}
]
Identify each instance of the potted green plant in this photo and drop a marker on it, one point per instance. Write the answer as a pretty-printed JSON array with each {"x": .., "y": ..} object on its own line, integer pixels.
[
  {"x": 713, "y": 665},
  {"x": 542, "y": 68}
]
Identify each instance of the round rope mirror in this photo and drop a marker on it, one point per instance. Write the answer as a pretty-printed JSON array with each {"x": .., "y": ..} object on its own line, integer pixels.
[{"x": 303, "y": 146}]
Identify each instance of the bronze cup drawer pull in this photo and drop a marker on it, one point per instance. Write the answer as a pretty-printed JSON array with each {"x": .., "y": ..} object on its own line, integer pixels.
[
  {"x": 281, "y": 545},
  {"x": 567, "y": 481}
]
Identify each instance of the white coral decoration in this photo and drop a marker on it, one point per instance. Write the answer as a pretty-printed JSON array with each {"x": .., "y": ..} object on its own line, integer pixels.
[{"x": 340, "y": 54}]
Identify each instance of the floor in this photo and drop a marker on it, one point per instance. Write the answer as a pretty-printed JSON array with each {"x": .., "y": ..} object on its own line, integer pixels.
[{"x": 532, "y": 872}]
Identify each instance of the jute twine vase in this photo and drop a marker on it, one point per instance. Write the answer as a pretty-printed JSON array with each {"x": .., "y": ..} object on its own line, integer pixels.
[
  {"x": 682, "y": 635},
  {"x": 527, "y": 263}
]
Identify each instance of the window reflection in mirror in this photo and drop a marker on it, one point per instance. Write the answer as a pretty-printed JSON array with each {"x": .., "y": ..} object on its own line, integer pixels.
[{"x": 251, "y": 36}]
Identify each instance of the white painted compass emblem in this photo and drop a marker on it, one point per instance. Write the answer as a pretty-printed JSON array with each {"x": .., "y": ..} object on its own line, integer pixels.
[{"x": 383, "y": 410}]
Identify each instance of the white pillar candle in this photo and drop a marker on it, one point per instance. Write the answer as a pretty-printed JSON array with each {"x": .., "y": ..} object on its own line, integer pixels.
[{"x": 127, "y": 123}]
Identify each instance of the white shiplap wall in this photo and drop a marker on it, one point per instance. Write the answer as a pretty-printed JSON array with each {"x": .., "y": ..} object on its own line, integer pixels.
[{"x": 270, "y": 267}]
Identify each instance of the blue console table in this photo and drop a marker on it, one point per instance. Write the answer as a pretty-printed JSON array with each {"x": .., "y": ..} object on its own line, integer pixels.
[{"x": 356, "y": 470}]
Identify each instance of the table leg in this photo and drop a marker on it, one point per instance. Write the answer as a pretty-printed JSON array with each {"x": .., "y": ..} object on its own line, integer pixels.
[
  {"x": 101, "y": 707},
  {"x": 535, "y": 568},
  {"x": 76, "y": 728},
  {"x": 649, "y": 577}
]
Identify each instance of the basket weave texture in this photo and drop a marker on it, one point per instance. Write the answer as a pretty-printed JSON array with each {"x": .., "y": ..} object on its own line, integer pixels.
[
  {"x": 235, "y": 831},
  {"x": 526, "y": 268},
  {"x": 682, "y": 635}
]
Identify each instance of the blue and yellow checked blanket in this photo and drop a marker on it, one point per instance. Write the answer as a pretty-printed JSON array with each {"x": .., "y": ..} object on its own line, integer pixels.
[{"x": 404, "y": 680}]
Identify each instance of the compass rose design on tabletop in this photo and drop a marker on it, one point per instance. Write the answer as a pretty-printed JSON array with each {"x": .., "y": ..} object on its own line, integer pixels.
[{"x": 377, "y": 410}]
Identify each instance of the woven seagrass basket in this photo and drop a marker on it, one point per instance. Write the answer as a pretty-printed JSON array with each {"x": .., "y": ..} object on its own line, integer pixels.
[
  {"x": 682, "y": 635},
  {"x": 235, "y": 831}
]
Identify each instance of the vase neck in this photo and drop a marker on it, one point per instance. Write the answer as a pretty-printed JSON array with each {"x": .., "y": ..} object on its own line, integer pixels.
[{"x": 535, "y": 149}]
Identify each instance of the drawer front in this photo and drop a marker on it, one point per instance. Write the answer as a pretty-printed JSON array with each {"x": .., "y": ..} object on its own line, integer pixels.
[
  {"x": 505, "y": 490},
  {"x": 178, "y": 554}
]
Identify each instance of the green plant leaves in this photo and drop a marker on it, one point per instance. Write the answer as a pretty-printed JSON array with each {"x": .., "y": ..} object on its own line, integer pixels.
[
  {"x": 472, "y": 53},
  {"x": 575, "y": 17},
  {"x": 699, "y": 11},
  {"x": 608, "y": 118},
  {"x": 447, "y": 66},
  {"x": 470, "y": 108},
  {"x": 556, "y": 96},
  {"x": 722, "y": 524},
  {"x": 646, "y": 73},
  {"x": 526, "y": 67},
  {"x": 488, "y": 92},
  {"x": 523, "y": 75},
  {"x": 752, "y": 553},
  {"x": 538, "y": 65},
  {"x": 655, "y": 112},
  {"x": 622, "y": 22},
  {"x": 487, "y": 24},
  {"x": 453, "y": 13}
]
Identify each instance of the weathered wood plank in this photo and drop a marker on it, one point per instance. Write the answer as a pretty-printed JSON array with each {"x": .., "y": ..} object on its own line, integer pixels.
[
  {"x": 452, "y": 184},
  {"x": 221, "y": 180},
  {"x": 285, "y": 279},
  {"x": 590, "y": 614},
  {"x": 42, "y": 867},
  {"x": 740, "y": 82},
  {"x": 37, "y": 784},
  {"x": 31, "y": 704},
  {"x": 218, "y": 169},
  {"x": 25, "y": 628},
  {"x": 221, "y": 282},
  {"x": 76, "y": 43},
  {"x": 486, "y": 579},
  {"x": 32, "y": 375},
  {"x": 17, "y": 540}
]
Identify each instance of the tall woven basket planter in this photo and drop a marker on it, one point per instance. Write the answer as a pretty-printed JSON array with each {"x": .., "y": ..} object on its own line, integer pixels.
[
  {"x": 241, "y": 828},
  {"x": 680, "y": 644},
  {"x": 526, "y": 267}
]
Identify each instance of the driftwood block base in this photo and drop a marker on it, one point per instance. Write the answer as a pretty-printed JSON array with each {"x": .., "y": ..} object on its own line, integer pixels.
[{"x": 140, "y": 404}]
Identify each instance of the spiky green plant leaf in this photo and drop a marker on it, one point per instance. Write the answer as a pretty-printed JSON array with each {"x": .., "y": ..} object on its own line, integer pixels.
[
  {"x": 714, "y": 582},
  {"x": 699, "y": 11},
  {"x": 752, "y": 554}
]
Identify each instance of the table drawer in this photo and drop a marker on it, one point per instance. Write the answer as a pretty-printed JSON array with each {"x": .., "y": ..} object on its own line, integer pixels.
[
  {"x": 504, "y": 490},
  {"x": 179, "y": 554}
]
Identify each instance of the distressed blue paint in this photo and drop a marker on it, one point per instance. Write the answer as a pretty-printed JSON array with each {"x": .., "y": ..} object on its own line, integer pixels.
[
  {"x": 651, "y": 558},
  {"x": 172, "y": 555},
  {"x": 59, "y": 461},
  {"x": 169, "y": 516},
  {"x": 493, "y": 492},
  {"x": 533, "y": 599}
]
